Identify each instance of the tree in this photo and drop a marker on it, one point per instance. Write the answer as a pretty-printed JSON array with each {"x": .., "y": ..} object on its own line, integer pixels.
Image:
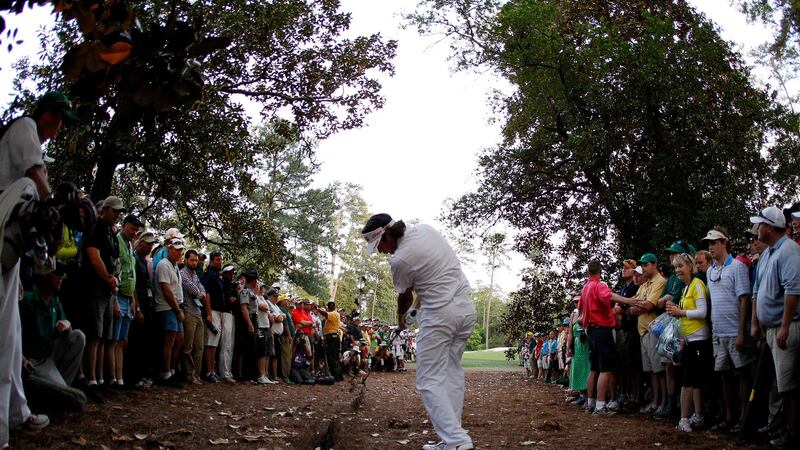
[
  {"x": 487, "y": 300},
  {"x": 494, "y": 250},
  {"x": 543, "y": 300},
  {"x": 622, "y": 118}
]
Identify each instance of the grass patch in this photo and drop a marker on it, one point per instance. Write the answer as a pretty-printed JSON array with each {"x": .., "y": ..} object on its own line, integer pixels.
[{"x": 488, "y": 360}]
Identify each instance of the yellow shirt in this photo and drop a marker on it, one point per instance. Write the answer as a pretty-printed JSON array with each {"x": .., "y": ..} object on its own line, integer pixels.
[
  {"x": 651, "y": 291},
  {"x": 332, "y": 323},
  {"x": 695, "y": 291}
]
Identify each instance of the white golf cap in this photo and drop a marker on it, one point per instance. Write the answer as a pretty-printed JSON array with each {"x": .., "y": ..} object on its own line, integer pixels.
[
  {"x": 715, "y": 235},
  {"x": 172, "y": 233},
  {"x": 770, "y": 215},
  {"x": 796, "y": 215},
  {"x": 638, "y": 270}
]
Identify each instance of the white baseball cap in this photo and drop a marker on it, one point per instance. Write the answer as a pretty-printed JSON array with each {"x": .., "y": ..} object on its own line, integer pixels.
[
  {"x": 770, "y": 215},
  {"x": 715, "y": 235}
]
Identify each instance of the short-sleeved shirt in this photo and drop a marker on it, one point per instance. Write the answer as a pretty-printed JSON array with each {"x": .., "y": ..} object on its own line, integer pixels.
[
  {"x": 249, "y": 298},
  {"x": 651, "y": 291},
  {"x": 215, "y": 286},
  {"x": 127, "y": 262},
  {"x": 299, "y": 315},
  {"x": 277, "y": 327},
  {"x": 167, "y": 272},
  {"x": 778, "y": 275},
  {"x": 726, "y": 284},
  {"x": 20, "y": 150},
  {"x": 425, "y": 261},
  {"x": 332, "y": 323},
  {"x": 103, "y": 239},
  {"x": 595, "y": 303},
  {"x": 288, "y": 320}
]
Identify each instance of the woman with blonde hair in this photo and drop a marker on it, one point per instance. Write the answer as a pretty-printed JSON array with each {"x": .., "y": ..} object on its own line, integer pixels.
[{"x": 697, "y": 355}]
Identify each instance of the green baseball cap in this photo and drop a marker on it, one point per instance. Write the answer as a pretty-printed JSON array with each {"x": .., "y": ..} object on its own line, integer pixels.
[
  {"x": 648, "y": 258},
  {"x": 681, "y": 246},
  {"x": 60, "y": 102}
]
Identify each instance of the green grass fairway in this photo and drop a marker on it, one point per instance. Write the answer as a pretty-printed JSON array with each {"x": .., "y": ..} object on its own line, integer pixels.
[{"x": 488, "y": 360}]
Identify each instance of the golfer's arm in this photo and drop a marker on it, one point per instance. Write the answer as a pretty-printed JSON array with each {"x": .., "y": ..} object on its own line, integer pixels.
[
  {"x": 624, "y": 300},
  {"x": 405, "y": 300}
]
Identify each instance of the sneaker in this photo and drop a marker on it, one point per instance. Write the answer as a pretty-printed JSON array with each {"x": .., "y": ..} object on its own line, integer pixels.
[
  {"x": 441, "y": 445},
  {"x": 271, "y": 381},
  {"x": 696, "y": 421},
  {"x": 684, "y": 425},
  {"x": 36, "y": 422},
  {"x": 467, "y": 446},
  {"x": 648, "y": 409},
  {"x": 785, "y": 440},
  {"x": 661, "y": 414},
  {"x": 613, "y": 405},
  {"x": 579, "y": 401},
  {"x": 588, "y": 409},
  {"x": 604, "y": 411},
  {"x": 229, "y": 380},
  {"x": 209, "y": 378}
]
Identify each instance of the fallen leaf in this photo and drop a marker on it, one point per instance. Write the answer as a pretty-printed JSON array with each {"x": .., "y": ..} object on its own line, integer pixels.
[
  {"x": 403, "y": 442},
  {"x": 122, "y": 438},
  {"x": 657, "y": 444},
  {"x": 235, "y": 427},
  {"x": 140, "y": 436},
  {"x": 424, "y": 431},
  {"x": 375, "y": 434},
  {"x": 219, "y": 441},
  {"x": 217, "y": 402},
  {"x": 269, "y": 408},
  {"x": 526, "y": 443},
  {"x": 80, "y": 440},
  {"x": 114, "y": 430},
  {"x": 237, "y": 418},
  {"x": 225, "y": 413},
  {"x": 252, "y": 437},
  {"x": 104, "y": 447}
]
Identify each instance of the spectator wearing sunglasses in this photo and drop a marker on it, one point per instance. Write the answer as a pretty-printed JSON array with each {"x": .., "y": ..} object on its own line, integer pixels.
[{"x": 734, "y": 350}]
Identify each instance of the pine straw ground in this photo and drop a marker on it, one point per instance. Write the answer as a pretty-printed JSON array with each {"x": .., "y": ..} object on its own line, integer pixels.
[{"x": 502, "y": 411}]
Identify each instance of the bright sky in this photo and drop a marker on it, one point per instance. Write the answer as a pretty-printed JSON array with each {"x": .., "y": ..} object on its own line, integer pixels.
[{"x": 421, "y": 148}]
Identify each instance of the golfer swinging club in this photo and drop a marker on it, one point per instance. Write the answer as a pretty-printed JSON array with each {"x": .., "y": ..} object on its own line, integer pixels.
[{"x": 423, "y": 262}]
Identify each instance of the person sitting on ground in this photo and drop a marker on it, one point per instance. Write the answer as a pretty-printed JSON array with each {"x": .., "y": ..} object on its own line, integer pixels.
[{"x": 52, "y": 350}]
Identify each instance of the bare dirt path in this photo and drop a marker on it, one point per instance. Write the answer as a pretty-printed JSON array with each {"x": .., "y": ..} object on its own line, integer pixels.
[{"x": 501, "y": 412}]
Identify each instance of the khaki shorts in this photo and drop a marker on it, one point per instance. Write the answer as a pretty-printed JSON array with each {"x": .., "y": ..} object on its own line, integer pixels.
[
  {"x": 651, "y": 361},
  {"x": 787, "y": 371},
  {"x": 211, "y": 338},
  {"x": 726, "y": 357}
]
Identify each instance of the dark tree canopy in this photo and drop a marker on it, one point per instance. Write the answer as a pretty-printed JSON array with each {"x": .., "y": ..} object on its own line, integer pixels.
[{"x": 629, "y": 124}]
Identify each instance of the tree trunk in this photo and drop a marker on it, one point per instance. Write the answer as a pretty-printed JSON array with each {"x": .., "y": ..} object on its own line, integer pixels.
[
  {"x": 489, "y": 304},
  {"x": 103, "y": 179}
]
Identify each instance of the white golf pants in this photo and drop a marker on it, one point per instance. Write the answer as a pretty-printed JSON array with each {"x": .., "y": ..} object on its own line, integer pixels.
[
  {"x": 13, "y": 405},
  {"x": 440, "y": 379}
]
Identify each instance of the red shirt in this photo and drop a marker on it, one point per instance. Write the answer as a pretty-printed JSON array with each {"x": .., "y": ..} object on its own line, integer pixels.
[
  {"x": 595, "y": 303},
  {"x": 299, "y": 315}
]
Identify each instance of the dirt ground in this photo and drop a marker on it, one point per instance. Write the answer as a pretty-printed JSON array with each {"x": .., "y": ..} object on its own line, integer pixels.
[{"x": 501, "y": 412}]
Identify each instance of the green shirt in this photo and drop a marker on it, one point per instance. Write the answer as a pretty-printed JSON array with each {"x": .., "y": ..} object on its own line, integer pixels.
[
  {"x": 674, "y": 287},
  {"x": 39, "y": 324},
  {"x": 127, "y": 276},
  {"x": 288, "y": 320}
]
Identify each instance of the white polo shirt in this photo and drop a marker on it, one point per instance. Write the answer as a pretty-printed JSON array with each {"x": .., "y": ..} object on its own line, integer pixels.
[
  {"x": 425, "y": 261},
  {"x": 20, "y": 149}
]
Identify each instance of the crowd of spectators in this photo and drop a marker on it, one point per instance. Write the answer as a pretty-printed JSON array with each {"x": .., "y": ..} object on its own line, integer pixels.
[
  {"x": 127, "y": 310},
  {"x": 682, "y": 341}
]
